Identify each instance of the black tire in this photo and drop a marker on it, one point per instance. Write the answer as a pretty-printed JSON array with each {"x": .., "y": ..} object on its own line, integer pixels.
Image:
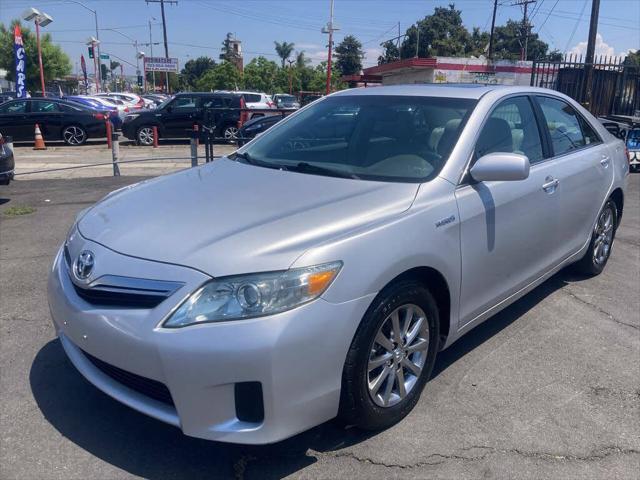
[
  {"x": 144, "y": 135},
  {"x": 357, "y": 406},
  {"x": 74, "y": 135},
  {"x": 591, "y": 264}
]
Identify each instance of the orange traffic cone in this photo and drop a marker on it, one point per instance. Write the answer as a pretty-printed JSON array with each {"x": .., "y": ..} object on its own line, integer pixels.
[{"x": 39, "y": 140}]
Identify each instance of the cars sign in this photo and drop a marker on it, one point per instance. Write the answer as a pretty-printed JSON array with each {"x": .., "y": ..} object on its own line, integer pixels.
[{"x": 160, "y": 64}]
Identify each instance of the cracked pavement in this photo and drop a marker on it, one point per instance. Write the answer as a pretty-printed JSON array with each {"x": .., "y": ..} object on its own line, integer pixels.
[{"x": 548, "y": 388}]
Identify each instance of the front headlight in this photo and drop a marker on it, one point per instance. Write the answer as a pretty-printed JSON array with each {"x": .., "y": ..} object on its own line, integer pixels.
[
  {"x": 251, "y": 128},
  {"x": 254, "y": 295},
  {"x": 131, "y": 116}
]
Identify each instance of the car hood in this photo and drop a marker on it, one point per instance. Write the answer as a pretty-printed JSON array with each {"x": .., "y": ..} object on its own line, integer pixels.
[{"x": 227, "y": 218}]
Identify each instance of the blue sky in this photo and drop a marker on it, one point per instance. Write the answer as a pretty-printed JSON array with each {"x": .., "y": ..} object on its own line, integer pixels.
[{"x": 197, "y": 27}]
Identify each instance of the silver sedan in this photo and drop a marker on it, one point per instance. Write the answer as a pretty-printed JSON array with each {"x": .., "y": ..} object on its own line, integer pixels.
[{"x": 318, "y": 271}]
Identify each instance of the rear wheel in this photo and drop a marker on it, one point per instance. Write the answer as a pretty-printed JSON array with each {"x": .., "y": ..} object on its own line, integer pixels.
[
  {"x": 601, "y": 242},
  {"x": 391, "y": 357},
  {"x": 74, "y": 135},
  {"x": 144, "y": 136}
]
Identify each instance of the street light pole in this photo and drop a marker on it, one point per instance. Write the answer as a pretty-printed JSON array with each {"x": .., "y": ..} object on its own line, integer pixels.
[
  {"x": 40, "y": 56},
  {"x": 95, "y": 17},
  {"x": 41, "y": 19},
  {"x": 153, "y": 73}
]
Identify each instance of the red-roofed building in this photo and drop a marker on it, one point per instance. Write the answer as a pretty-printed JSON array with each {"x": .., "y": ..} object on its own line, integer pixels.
[{"x": 452, "y": 70}]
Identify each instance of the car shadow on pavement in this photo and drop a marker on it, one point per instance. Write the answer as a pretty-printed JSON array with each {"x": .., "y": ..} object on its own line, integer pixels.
[{"x": 143, "y": 446}]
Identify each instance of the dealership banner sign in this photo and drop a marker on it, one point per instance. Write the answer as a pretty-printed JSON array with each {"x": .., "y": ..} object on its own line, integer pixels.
[
  {"x": 83, "y": 65},
  {"x": 21, "y": 63},
  {"x": 160, "y": 64}
]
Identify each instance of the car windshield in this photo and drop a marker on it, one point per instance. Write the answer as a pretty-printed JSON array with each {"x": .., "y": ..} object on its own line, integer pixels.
[
  {"x": 164, "y": 103},
  {"x": 372, "y": 137},
  {"x": 287, "y": 99}
]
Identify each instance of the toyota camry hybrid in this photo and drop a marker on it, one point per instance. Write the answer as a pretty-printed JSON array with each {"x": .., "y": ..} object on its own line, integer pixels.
[{"x": 317, "y": 271}]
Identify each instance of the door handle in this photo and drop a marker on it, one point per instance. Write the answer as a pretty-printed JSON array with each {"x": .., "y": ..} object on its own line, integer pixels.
[
  {"x": 550, "y": 184},
  {"x": 604, "y": 161}
]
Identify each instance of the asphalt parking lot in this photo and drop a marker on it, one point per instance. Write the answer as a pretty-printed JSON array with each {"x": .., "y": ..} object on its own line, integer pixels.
[{"x": 549, "y": 388}]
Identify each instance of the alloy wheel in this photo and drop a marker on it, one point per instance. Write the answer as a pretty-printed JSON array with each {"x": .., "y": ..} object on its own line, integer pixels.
[
  {"x": 145, "y": 135},
  {"x": 74, "y": 135},
  {"x": 398, "y": 355},
  {"x": 603, "y": 236},
  {"x": 230, "y": 133}
]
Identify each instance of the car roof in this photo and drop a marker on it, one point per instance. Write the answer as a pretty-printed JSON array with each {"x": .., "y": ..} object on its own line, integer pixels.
[{"x": 459, "y": 90}]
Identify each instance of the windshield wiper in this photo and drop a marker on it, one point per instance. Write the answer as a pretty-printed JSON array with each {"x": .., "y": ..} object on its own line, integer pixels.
[
  {"x": 247, "y": 158},
  {"x": 304, "y": 167}
]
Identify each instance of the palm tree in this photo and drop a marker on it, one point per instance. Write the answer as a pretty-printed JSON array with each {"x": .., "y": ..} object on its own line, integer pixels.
[
  {"x": 301, "y": 59},
  {"x": 284, "y": 50}
]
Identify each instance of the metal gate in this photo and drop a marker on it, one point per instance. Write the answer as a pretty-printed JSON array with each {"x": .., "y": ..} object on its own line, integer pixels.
[{"x": 615, "y": 85}]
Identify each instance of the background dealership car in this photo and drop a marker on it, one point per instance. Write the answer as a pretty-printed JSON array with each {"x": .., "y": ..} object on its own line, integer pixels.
[
  {"x": 176, "y": 117},
  {"x": 633, "y": 147},
  {"x": 320, "y": 269},
  {"x": 100, "y": 105},
  {"x": 256, "y": 126},
  {"x": 131, "y": 100},
  {"x": 286, "y": 102},
  {"x": 7, "y": 162},
  {"x": 58, "y": 120}
]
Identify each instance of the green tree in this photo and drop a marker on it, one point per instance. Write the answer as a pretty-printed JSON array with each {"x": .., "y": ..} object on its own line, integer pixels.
[
  {"x": 391, "y": 53},
  {"x": 479, "y": 42},
  {"x": 301, "y": 59},
  {"x": 508, "y": 42},
  {"x": 349, "y": 56},
  {"x": 284, "y": 50},
  {"x": 260, "y": 74},
  {"x": 193, "y": 70},
  {"x": 633, "y": 58},
  {"x": 55, "y": 62},
  {"x": 441, "y": 33},
  {"x": 224, "y": 76}
]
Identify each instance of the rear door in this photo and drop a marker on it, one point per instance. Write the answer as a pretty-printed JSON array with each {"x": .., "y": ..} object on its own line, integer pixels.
[
  {"x": 14, "y": 121},
  {"x": 584, "y": 173},
  {"x": 507, "y": 227}
]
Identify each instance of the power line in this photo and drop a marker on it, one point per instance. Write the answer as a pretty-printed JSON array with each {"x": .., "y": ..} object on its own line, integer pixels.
[{"x": 575, "y": 28}]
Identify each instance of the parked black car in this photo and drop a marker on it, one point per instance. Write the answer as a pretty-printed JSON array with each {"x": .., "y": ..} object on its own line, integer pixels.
[
  {"x": 255, "y": 126},
  {"x": 176, "y": 117},
  {"x": 58, "y": 120},
  {"x": 7, "y": 163}
]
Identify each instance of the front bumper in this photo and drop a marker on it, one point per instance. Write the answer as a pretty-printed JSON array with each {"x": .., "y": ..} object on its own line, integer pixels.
[{"x": 297, "y": 356}]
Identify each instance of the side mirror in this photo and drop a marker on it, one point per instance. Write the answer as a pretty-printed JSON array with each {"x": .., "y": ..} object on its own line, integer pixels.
[{"x": 500, "y": 166}]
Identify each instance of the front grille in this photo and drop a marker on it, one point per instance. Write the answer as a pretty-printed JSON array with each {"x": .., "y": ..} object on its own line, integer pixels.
[
  {"x": 150, "y": 388},
  {"x": 118, "y": 298},
  {"x": 122, "y": 292}
]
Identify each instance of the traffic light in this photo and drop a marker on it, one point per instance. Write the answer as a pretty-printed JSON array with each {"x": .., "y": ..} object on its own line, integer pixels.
[
  {"x": 91, "y": 51},
  {"x": 140, "y": 81}
]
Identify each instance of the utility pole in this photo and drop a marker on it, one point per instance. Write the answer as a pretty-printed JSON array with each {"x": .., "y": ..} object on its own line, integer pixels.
[
  {"x": 525, "y": 27},
  {"x": 591, "y": 47},
  {"x": 330, "y": 28},
  {"x": 493, "y": 27},
  {"x": 164, "y": 32},
  {"x": 153, "y": 73}
]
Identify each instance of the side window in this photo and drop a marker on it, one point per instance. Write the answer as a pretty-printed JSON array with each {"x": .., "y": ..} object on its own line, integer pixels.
[
  {"x": 43, "y": 106},
  {"x": 564, "y": 126},
  {"x": 511, "y": 128},
  {"x": 15, "y": 107},
  {"x": 252, "y": 97},
  {"x": 212, "y": 102},
  {"x": 183, "y": 103}
]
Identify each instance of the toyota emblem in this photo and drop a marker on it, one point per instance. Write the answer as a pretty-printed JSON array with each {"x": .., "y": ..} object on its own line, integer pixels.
[{"x": 83, "y": 265}]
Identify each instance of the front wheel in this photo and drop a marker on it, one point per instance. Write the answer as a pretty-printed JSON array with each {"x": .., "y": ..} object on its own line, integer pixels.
[
  {"x": 601, "y": 242},
  {"x": 230, "y": 133},
  {"x": 74, "y": 135},
  {"x": 391, "y": 357}
]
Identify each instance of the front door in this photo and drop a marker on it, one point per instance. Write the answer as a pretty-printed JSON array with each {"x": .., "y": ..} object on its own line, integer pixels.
[
  {"x": 179, "y": 116},
  {"x": 47, "y": 114},
  {"x": 507, "y": 227},
  {"x": 13, "y": 120}
]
